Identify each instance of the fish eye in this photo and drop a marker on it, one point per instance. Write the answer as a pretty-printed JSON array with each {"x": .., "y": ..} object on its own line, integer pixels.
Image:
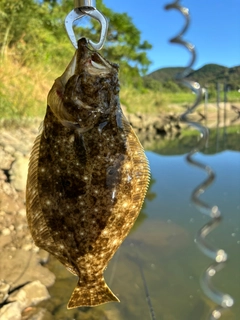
[
  {"x": 95, "y": 57},
  {"x": 111, "y": 171}
]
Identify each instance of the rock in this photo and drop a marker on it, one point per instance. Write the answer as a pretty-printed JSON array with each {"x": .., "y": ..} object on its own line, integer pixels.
[
  {"x": 5, "y": 240},
  {"x": 135, "y": 121},
  {"x": 27, "y": 247},
  {"x": 34, "y": 313},
  {"x": 43, "y": 256},
  {"x": 6, "y": 159},
  {"x": 31, "y": 294},
  {"x": 158, "y": 123},
  {"x": 22, "y": 212},
  {"x": 113, "y": 314},
  {"x": 4, "y": 289},
  {"x": 8, "y": 197},
  {"x": 6, "y": 231},
  {"x": 9, "y": 149},
  {"x": 19, "y": 172},
  {"x": 22, "y": 267},
  {"x": 3, "y": 175},
  {"x": 11, "y": 311}
]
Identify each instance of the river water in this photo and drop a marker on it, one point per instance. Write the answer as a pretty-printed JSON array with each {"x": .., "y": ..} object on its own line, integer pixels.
[{"x": 156, "y": 272}]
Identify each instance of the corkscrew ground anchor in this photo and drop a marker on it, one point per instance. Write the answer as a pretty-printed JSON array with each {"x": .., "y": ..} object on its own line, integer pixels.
[{"x": 219, "y": 256}]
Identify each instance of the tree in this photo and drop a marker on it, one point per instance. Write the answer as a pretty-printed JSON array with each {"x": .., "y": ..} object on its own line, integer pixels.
[{"x": 36, "y": 30}]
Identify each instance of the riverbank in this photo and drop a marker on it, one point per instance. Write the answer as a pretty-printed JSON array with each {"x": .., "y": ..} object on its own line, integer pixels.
[{"x": 24, "y": 279}]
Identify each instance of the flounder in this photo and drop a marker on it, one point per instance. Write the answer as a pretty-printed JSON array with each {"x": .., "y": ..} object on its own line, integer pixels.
[{"x": 88, "y": 175}]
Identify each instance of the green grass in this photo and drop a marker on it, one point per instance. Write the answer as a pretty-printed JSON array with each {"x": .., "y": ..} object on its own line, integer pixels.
[
  {"x": 233, "y": 96},
  {"x": 154, "y": 102},
  {"x": 24, "y": 90}
]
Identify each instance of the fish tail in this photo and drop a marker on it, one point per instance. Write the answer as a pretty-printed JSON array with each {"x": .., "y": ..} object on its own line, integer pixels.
[{"x": 90, "y": 296}]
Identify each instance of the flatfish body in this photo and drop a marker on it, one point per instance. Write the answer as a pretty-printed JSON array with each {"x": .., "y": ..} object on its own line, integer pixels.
[{"x": 88, "y": 175}]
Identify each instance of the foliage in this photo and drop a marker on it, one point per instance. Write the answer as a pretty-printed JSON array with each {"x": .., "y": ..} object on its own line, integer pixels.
[
  {"x": 165, "y": 74},
  {"x": 32, "y": 32},
  {"x": 34, "y": 49},
  {"x": 152, "y": 84},
  {"x": 171, "y": 86},
  {"x": 35, "y": 30}
]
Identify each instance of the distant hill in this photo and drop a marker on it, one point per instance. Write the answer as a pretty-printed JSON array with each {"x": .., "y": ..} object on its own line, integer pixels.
[
  {"x": 165, "y": 74},
  {"x": 209, "y": 74}
]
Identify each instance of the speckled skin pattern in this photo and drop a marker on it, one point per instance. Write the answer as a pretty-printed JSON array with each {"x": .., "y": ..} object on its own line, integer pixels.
[{"x": 88, "y": 175}]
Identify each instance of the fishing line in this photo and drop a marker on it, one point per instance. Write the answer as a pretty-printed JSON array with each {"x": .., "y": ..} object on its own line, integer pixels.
[
  {"x": 219, "y": 256},
  {"x": 137, "y": 261},
  {"x": 147, "y": 294}
]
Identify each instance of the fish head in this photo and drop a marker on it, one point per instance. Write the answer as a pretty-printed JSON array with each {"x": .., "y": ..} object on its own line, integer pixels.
[{"x": 86, "y": 93}]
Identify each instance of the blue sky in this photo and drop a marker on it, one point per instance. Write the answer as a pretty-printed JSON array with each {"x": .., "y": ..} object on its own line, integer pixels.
[{"x": 214, "y": 30}]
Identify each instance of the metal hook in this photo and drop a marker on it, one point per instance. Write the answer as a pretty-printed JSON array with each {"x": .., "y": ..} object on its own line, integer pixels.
[{"x": 82, "y": 8}]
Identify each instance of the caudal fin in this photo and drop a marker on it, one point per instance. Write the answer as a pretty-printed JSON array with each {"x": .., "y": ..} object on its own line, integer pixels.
[{"x": 90, "y": 296}]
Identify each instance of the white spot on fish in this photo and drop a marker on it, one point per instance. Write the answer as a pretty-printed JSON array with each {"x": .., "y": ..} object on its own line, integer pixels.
[
  {"x": 115, "y": 241},
  {"x": 129, "y": 178},
  {"x": 113, "y": 194},
  {"x": 71, "y": 138}
]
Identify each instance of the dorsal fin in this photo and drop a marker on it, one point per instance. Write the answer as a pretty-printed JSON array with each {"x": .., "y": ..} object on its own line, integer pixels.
[{"x": 37, "y": 224}]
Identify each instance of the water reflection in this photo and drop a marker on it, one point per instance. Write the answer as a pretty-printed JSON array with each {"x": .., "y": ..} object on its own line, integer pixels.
[
  {"x": 220, "y": 139},
  {"x": 157, "y": 269}
]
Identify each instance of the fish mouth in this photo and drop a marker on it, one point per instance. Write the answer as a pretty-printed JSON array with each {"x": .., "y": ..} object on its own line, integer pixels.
[{"x": 96, "y": 65}]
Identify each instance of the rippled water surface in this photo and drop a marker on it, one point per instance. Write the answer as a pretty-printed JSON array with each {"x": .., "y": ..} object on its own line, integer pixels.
[{"x": 156, "y": 271}]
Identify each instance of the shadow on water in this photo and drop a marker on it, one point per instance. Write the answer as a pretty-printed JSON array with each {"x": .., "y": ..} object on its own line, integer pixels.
[{"x": 156, "y": 271}]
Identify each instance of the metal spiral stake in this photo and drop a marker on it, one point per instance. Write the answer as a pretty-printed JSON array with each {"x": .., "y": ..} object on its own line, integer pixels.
[{"x": 219, "y": 256}]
